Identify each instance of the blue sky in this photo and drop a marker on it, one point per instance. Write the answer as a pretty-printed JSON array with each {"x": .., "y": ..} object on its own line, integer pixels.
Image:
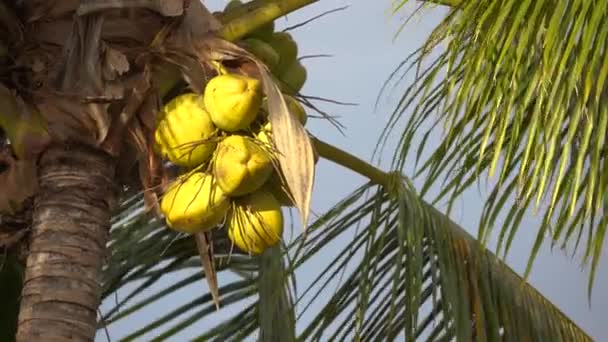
[{"x": 360, "y": 40}]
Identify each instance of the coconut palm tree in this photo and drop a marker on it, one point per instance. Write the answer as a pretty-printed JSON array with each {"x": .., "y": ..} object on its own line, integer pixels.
[{"x": 84, "y": 81}]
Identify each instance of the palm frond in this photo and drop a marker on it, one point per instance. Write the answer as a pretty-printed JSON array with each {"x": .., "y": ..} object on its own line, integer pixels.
[
  {"x": 414, "y": 274},
  {"x": 408, "y": 271},
  {"x": 521, "y": 91}
]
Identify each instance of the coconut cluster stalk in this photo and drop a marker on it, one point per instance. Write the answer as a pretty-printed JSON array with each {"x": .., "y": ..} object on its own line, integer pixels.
[{"x": 260, "y": 13}]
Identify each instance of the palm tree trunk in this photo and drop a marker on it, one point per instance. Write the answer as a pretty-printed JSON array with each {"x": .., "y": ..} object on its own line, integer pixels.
[{"x": 71, "y": 219}]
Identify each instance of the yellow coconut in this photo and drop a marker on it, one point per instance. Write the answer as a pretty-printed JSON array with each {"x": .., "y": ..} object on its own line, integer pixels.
[
  {"x": 256, "y": 222},
  {"x": 294, "y": 106},
  {"x": 194, "y": 203},
  {"x": 263, "y": 51},
  {"x": 293, "y": 77},
  {"x": 286, "y": 47},
  {"x": 184, "y": 132},
  {"x": 241, "y": 166},
  {"x": 233, "y": 101}
]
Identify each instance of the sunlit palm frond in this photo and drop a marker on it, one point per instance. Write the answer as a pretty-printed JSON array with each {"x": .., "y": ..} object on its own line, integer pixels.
[
  {"x": 149, "y": 263},
  {"x": 411, "y": 272},
  {"x": 407, "y": 270},
  {"x": 520, "y": 89}
]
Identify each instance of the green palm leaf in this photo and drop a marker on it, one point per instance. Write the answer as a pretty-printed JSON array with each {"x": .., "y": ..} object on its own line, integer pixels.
[
  {"x": 521, "y": 94},
  {"x": 409, "y": 271},
  {"x": 452, "y": 287}
]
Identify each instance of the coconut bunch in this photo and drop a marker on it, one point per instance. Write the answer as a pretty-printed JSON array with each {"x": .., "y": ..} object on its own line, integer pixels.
[{"x": 221, "y": 141}]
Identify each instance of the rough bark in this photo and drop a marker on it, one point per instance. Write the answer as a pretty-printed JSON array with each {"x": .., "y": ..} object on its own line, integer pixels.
[{"x": 71, "y": 220}]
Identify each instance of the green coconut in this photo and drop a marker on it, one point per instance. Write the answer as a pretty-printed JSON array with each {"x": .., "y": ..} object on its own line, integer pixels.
[
  {"x": 263, "y": 51},
  {"x": 293, "y": 77},
  {"x": 286, "y": 47},
  {"x": 264, "y": 33}
]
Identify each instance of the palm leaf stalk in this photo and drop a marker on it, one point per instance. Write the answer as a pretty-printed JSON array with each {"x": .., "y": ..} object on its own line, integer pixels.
[{"x": 520, "y": 95}]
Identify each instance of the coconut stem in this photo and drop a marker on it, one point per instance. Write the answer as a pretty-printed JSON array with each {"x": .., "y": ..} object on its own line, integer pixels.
[
  {"x": 257, "y": 13},
  {"x": 351, "y": 162},
  {"x": 266, "y": 12}
]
